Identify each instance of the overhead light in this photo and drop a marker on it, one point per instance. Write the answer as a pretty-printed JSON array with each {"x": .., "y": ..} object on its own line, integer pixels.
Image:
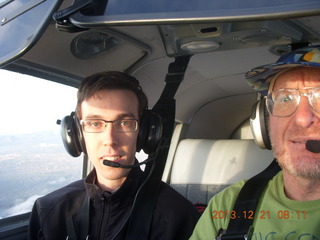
[
  {"x": 91, "y": 44},
  {"x": 199, "y": 46}
]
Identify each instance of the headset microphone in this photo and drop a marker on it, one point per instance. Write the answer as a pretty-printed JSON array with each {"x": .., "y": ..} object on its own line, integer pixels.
[
  {"x": 313, "y": 146},
  {"x": 118, "y": 165}
]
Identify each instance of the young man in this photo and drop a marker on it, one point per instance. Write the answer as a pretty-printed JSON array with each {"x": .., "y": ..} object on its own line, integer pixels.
[
  {"x": 109, "y": 108},
  {"x": 289, "y": 207}
]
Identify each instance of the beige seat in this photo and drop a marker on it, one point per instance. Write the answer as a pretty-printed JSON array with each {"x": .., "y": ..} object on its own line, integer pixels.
[{"x": 201, "y": 167}]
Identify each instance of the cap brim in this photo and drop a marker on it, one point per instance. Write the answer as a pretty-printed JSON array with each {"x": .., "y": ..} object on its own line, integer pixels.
[{"x": 259, "y": 78}]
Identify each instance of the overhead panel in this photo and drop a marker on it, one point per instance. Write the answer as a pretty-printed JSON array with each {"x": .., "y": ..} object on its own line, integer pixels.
[{"x": 186, "y": 39}]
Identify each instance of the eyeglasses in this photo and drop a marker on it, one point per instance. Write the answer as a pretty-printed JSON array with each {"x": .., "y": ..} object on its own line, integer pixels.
[
  {"x": 284, "y": 102},
  {"x": 119, "y": 125}
]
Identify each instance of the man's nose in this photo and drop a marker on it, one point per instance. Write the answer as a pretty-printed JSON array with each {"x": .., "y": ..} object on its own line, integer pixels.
[
  {"x": 304, "y": 115},
  {"x": 109, "y": 135}
]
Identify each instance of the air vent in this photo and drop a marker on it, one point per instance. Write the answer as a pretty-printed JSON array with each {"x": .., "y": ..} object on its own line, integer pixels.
[{"x": 209, "y": 30}]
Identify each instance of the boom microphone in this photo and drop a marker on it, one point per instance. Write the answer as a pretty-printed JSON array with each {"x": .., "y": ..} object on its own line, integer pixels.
[
  {"x": 313, "y": 146},
  {"x": 118, "y": 165}
]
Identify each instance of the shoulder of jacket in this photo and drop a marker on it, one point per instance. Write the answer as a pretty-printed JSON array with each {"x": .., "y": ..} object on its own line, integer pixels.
[{"x": 72, "y": 191}]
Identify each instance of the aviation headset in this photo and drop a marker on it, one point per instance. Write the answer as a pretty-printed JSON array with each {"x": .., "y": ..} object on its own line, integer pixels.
[
  {"x": 259, "y": 119},
  {"x": 149, "y": 136},
  {"x": 259, "y": 124}
]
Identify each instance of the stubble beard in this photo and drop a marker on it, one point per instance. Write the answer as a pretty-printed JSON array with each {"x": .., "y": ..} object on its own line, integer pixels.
[{"x": 308, "y": 167}]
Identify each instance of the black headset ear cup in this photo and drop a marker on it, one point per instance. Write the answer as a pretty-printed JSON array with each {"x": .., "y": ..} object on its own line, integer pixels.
[
  {"x": 150, "y": 132},
  {"x": 79, "y": 134},
  {"x": 259, "y": 123},
  {"x": 71, "y": 135}
]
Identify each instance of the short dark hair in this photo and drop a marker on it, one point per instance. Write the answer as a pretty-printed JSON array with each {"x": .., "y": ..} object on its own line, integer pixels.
[{"x": 110, "y": 80}]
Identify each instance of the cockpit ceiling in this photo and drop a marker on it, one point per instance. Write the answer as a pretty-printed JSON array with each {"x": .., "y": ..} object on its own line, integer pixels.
[{"x": 143, "y": 44}]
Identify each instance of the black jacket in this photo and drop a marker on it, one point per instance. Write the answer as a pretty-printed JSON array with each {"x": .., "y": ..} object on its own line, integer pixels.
[{"x": 174, "y": 217}]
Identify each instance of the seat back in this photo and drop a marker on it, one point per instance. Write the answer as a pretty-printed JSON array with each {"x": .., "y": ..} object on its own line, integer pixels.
[{"x": 202, "y": 167}]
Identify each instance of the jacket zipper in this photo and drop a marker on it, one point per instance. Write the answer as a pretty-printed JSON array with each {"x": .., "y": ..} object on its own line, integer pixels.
[{"x": 103, "y": 202}]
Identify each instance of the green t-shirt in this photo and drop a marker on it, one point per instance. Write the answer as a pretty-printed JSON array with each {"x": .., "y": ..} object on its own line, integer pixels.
[{"x": 276, "y": 217}]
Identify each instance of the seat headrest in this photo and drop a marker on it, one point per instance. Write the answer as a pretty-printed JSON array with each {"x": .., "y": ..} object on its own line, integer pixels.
[{"x": 202, "y": 161}]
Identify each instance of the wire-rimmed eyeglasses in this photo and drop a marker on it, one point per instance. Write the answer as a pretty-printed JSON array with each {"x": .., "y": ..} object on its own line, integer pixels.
[
  {"x": 284, "y": 102},
  {"x": 99, "y": 125}
]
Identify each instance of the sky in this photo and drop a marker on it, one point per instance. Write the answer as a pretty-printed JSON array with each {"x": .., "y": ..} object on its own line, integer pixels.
[{"x": 28, "y": 104}]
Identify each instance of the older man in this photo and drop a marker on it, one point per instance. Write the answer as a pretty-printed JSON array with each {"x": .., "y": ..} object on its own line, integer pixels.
[{"x": 289, "y": 207}]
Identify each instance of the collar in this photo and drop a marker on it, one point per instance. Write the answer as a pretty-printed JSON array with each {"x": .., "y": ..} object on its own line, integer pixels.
[{"x": 130, "y": 185}]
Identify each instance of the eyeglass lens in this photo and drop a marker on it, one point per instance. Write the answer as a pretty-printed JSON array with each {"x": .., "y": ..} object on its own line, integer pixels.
[
  {"x": 120, "y": 125},
  {"x": 284, "y": 102}
]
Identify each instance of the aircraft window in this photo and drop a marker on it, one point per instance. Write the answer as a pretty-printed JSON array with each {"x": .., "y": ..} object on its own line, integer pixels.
[
  {"x": 150, "y": 6},
  {"x": 32, "y": 156},
  {"x": 134, "y": 12},
  {"x": 167, "y": 9}
]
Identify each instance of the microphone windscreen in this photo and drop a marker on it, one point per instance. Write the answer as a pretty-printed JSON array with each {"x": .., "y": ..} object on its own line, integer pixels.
[
  {"x": 111, "y": 163},
  {"x": 313, "y": 146}
]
